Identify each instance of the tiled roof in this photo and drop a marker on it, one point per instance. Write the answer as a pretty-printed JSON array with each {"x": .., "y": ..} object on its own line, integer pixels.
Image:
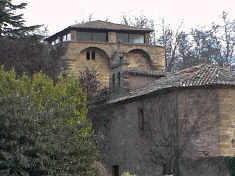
[
  {"x": 145, "y": 72},
  {"x": 100, "y": 25},
  {"x": 203, "y": 75},
  {"x": 107, "y": 25}
]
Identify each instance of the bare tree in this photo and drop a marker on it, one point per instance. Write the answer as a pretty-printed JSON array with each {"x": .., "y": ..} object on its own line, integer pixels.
[{"x": 174, "y": 123}]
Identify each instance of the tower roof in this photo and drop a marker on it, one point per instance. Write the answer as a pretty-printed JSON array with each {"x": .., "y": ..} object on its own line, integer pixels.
[
  {"x": 100, "y": 26},
  {"x": 104, "y": 25}
]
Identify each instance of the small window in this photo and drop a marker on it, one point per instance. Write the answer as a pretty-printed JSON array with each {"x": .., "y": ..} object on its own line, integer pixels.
[
  {"x": 116, "y": 170},
  {"x": 57, "y": 41},
  {"x": 113, "y": 80},
  {"x": 119, "y": 79},
  {"x": 68, "y": 36},
  {"x": 64, "y": 38},
  {"x": 88, "y": 56},
  {"x": 93, "y": 55},
  {"x": 140, "y": 119}
]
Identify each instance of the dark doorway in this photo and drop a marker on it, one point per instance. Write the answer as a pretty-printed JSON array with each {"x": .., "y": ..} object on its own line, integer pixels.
[{"x": 115, "y": 170}]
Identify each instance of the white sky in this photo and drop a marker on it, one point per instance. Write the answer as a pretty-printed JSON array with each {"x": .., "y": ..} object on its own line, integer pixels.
[{"x": 58, "y": 15}]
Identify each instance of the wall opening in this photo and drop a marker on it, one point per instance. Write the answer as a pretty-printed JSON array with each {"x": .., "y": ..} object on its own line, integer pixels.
[
  {"x": 119, "y": 79},
  {"x": 93, "y": 55},
  {"x": 113, "y": 81},
  {"x": 88, "y": 56},
  {"x": 116, "y": 170},
  {"x": 141, "y": 119}
]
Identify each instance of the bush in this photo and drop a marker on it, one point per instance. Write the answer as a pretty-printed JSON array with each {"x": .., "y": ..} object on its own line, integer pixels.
[
  {"x": 127, "y": 174},
  {"x": 43, "y": 127}
]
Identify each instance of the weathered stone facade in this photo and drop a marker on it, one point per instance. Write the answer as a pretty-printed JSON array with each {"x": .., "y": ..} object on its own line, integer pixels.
[
  {"x": 143, "y": 96},
  {"x": 190, "y": 98},
  {"x": 124, "y": 145},
  {"x": 139, "y": 54}
]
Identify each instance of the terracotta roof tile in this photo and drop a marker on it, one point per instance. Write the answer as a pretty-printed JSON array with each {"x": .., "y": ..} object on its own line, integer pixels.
[
  {"x": 145, "y": 72},
  {"x": 203, "y": 75},
  {"x": 99, "y": 25},
  {"x": 107, "y": 25}
]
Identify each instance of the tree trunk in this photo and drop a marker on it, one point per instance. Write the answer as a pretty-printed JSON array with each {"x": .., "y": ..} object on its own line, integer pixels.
[{"x": 176, "y": 165}]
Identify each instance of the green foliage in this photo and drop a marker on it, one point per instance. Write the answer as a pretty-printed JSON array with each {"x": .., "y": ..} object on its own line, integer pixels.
[
  {"x": 43, "y": 127},
  {"x": 127, "y": 174},
  {"x": 231, "y": 166}
]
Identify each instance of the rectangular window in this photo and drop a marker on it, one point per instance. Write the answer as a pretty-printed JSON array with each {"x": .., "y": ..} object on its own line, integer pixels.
[
  {"x": 89, "y": 36},
  {"x": 136, "y": 38},
  {"x": 93, "y": 55},
  {"x": 88, "y": 56},
  {"x": 123, "y": 38},
  {"x": 68, "y": 36},
  {"x": 99, "y": 37},
  {"x": 64, "y": 38},
  {"x": 84, "y": 36},
  {"x": 57, "y": 41},
  {"x": 140, "y": 119},
  {"x": 116, "y": 170}
]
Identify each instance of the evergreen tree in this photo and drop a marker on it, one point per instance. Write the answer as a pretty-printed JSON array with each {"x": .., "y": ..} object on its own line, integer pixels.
[{"x": 11, "y": 24}]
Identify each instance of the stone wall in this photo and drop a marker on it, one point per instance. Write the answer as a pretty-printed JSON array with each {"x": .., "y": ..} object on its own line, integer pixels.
[
  {"x": 136, "y": 53},
  {"x": 211, "y": 166},
  {"x": 100, "y": 64},
  {"x": 227, "y": 126},
  {"x": 125, "y": 147}
]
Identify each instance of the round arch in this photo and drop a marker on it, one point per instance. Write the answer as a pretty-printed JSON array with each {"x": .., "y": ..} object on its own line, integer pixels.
[
  {"x": 139, "y": 58},
  {"x": 93, "y": 58}
]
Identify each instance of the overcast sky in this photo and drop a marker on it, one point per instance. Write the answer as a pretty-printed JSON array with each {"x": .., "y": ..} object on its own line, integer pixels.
[{"x": 58, "y": 15}]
